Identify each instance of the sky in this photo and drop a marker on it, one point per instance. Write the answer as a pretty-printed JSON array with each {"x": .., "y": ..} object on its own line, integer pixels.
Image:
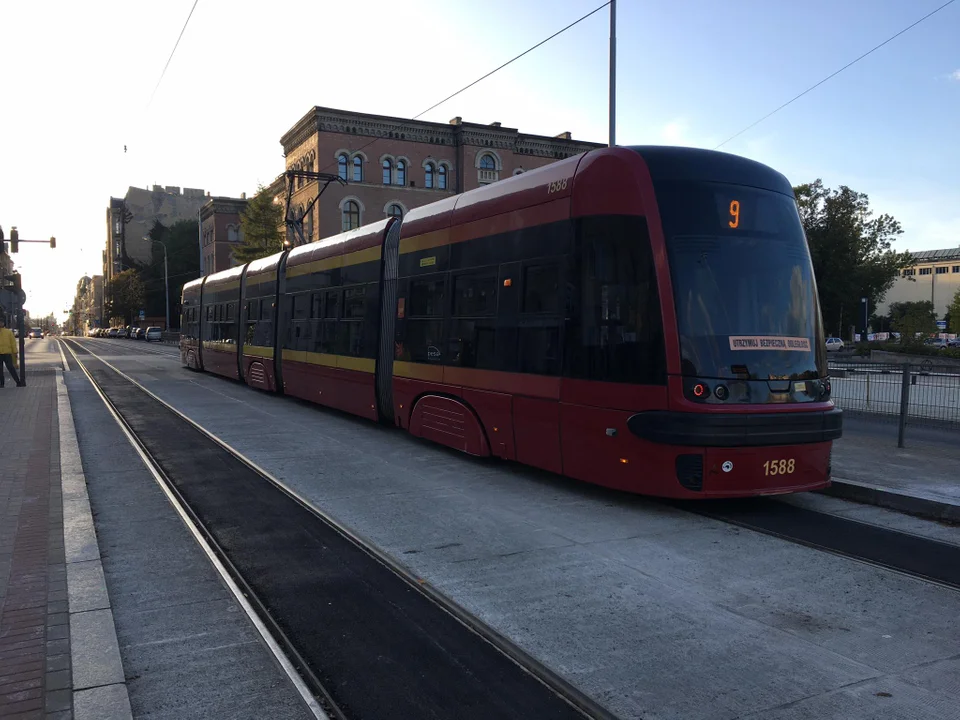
[{"x": 77, "y": 85}]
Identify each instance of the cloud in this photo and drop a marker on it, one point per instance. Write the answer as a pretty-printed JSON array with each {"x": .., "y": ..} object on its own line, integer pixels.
[{"x": 955, "y": 75}]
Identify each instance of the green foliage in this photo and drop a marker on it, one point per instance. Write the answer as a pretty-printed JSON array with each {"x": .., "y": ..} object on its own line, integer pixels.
[
  {"x": 126, "y": 294},
  {"x": 260, "y": 223},
  {"x": 918, "y": 349},
  {"x": 953, "y": 313},
  {"x": 851, "y": 251},
  {"x": 183, "y": 260},
  {"x": 910, "y": 318}
]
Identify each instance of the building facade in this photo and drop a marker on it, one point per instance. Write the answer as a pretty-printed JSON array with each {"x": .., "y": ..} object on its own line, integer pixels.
[
  {"x": 131, "y": 217},
  {"x": 220, "y": 232},
  {"x": 87, "y": 310},
  {"x": 935, "y": 276},
  {"x": 390, "y": 165}
]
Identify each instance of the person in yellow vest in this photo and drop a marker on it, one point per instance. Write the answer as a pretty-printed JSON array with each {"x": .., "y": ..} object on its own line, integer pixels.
[{"x": 8, "y": 353}]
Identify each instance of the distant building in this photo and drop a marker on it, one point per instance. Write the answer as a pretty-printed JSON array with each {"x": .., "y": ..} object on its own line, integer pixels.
[
  {"x": 87, "y": 310},
  {"x": 393, "y": 164},
  {"x": 125, "y": 246},
  {"x": 935, "y": 276},
  {"x": 220, "y": 231}
]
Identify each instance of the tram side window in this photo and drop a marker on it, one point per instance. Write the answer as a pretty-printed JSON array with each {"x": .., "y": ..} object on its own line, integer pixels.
[
  {"x": 325, "y": 328},
  {"x": 616, "y": 332},
  {"x": 541, "y": 288},
  {"x": 541, "y": 319},
  {"x": 423, "y": 342},
  {"x": 350, "y": 328},
  {"x": 472, "y": 341}
]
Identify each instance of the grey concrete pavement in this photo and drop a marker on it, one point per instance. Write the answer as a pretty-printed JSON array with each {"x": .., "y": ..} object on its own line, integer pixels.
[
  {"x": 653, "y": 611},
  {"x": 922, "y": 478}
]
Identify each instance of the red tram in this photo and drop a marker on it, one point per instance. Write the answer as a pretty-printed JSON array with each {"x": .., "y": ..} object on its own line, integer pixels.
[{"x": 642, "y": 318}]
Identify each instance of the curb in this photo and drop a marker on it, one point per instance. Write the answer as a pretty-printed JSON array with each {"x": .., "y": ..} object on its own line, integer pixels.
[
  {"x": 893, "y": 500},
  {"x": 99, "y": 685}
]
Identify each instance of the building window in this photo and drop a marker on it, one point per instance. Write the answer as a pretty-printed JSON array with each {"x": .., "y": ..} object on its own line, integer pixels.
[
  {"x": 442, "y": 177},
  {"x": 351, "y": 215},
  {"x": 428, "y": 175},
  {"x": 926, "y": 271},
  {"x": 942, "y": 270},
  {"x": 956, "y": 268},
  {"x": 401, "y": 172},
  {"x": 342, "y": 167},
  {"x": 487, "y": 169},
  {"x": 395, "y": 211},
  {"x": 308, "y": 227},
  {"x": 357, "y": 169},
  {"x": 387, "y": 172},
  {"x": 909, "y": 272},
  {"x": 232, "y": 234}
]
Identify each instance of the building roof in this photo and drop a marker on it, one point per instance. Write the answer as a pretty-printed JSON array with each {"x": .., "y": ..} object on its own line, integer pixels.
[{"x": 925, "y": 256}]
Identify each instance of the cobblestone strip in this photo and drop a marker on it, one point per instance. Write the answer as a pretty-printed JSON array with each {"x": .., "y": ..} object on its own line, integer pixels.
[{"x": 99, "y": 687}]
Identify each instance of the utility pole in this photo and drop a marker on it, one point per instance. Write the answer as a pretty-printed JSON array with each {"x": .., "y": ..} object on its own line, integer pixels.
[
  {"x": 166, "y": 283},
  {"x": 613, "y": 73}
]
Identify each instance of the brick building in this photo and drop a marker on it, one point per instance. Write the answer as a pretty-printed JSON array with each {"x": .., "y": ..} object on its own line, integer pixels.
[
  {"x": 392, "y": 165},
  {"x": 220, "y": 232}
]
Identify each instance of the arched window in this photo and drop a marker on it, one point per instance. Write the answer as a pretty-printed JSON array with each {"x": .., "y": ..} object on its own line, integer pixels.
[
  {"x": 232, "y": 234},
  {"x": 401, "y": 172},
  {"x": 442, "y": 177},
  {"x": 428, "y": 176},
  {"x": 342, "y": 167},
  {"x": 357, "y": 169},
  {"x": 387, "y": 172},
  {"x": 487, "y": 163},
  {"x": 395, "y": 211},
  {"x": 308, "y": 227},
  {"x": 350, "y": 216}
]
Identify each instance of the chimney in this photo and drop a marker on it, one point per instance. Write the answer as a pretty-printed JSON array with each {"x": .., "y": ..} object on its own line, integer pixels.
[
  {"x": 564, "y": 136},
  {"x": 457, "y": 120},
  {"x": 243, "y": 196}
]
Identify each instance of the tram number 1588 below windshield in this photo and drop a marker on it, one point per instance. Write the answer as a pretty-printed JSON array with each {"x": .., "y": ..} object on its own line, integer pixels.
[{"x": 779, "y": 467}]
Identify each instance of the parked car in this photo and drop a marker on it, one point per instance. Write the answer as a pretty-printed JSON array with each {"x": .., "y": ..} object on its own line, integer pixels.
[
  {"x": 938, "y": 343},
  {"x": 834, "y": 344},
  {"x": 141, "y": 333},
  {"x": 154, "y": 334},
  {"x": 133, "y": 333},
  {"x": 954, "y": 343},
  {"x": 112, "y": 332}
]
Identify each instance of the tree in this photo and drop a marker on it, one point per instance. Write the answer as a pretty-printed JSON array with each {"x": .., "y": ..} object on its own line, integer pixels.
[
  {"x": 126, "y": 295},
  {"x": 851, "y": 251},
  {"x": 260, "y": 223},
  {"x": 183, "y": 265},
  {"x": 910, "y": 318},
  {"x": 953, "y": 313}
]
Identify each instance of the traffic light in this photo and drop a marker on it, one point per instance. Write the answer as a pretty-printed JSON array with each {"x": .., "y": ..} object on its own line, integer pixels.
[
  {"x": 14, "y": 240},
  {"x": 53, "y": 242}
]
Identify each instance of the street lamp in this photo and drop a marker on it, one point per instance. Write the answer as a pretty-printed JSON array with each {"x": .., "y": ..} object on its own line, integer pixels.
[{"x": 166, "y": 280}]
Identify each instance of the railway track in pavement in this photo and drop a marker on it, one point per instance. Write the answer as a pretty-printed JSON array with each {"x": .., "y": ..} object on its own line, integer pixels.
[
  {"x": 357, "y": 633},
  {"x": 906, "y": 553}
]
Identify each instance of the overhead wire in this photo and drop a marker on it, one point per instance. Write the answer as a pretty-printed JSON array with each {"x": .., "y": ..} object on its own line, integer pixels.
[
  {"x": 484, "y": 77},
  {"x": 835, "y": 73},
  {"x": 175, "y": 45}
]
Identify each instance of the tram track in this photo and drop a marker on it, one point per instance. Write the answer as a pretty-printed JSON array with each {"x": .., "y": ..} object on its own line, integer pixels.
[
  {"x": 364, "y": 637},
  {"x": 913, "y": 555}
]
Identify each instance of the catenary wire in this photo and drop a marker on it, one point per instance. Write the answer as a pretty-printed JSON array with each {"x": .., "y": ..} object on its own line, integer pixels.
[
  {"x": 484, "y": 77},
  {"x": 834, "y": 74},
  {"x": 175, "y": 45}
]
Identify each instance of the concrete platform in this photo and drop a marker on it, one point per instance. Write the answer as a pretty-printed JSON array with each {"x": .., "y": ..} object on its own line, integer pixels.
[
  {"x": 921, "y": 479},
  {"x": 654, "y": 612}
]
